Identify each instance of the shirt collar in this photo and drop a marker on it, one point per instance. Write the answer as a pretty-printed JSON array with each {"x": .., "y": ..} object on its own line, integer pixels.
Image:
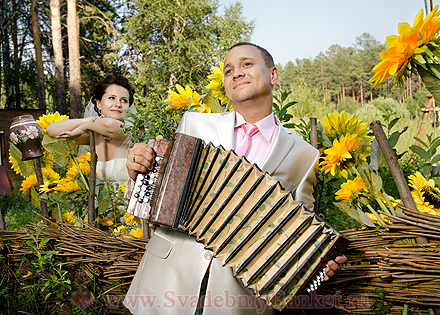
[{"x": 267, "y": 125}]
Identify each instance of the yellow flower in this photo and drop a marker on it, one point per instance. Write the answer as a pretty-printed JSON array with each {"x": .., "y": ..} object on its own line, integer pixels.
[
  {"x": 49, "y": 176},
  {"x": 68, "y": 218},
  {"x": 418, "y": 183},
  {"x": 408, "y": 49},
  {"x": 136, "y": 232},
  {"x": 131, "y": 219},
  {"x": 123, "y": 188},
  {"x": 354, "y": 192},
  {"x": 337, "y": 124},
  {"x": 376, "y": 221},
  {"x": 339, "y": 158},
  {"x": 46, "y": 161},
  {"x": 46, "y": 120},
  {"x": 73, "y": 173},
  {"x": 66, "y": 186},
  {"x": 49, "y": 187},
  {"x": 184, "y": 98},
  {"x": 105, "y": 221},
  {"x": 120, "y": 230},
  {"x": 80, "y": 159},
  {"x": 216, "y": 84}
]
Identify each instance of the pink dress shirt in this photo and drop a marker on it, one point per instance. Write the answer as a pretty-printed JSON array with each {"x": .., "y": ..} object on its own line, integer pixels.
[{"x": 262, "y": 141}]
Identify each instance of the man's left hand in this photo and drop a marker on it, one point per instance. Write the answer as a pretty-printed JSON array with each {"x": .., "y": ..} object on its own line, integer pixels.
[{"x": 334, "y": 266}]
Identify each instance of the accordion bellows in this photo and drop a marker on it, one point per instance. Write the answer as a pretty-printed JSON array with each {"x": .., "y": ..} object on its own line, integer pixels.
[{"x": 277, "y": 247}]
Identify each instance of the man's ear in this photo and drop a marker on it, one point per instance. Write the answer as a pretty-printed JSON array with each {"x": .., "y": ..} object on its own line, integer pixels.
[{"x": 273, "y": 75}]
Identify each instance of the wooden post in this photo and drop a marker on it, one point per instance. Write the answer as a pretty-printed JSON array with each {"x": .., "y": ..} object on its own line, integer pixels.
[
  {"x": 426, "y": 111},
  {"x": 314, "y": 143},
  {"x": 93, "y": 160},
  {"x": 40, "y": 182},
  {"x": 396, "y": 171}
]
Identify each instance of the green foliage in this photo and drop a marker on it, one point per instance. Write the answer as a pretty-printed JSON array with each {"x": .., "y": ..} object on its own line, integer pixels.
[
  {"x": 280, "y": 109},
  {"x": 17, "y": 211},
  {"x": 378, "y": 306},
  {"x": 427, "y": 151},
  {"x": 149, "y": 122},
  {"x": 62, "y": 149}
]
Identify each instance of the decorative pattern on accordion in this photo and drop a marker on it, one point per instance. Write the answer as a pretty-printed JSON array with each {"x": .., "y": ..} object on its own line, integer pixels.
[{"x": 274, "y": 245}]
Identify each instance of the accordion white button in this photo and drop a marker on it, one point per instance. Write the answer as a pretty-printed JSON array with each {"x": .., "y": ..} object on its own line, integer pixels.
[{"x": 208, "y": 256}]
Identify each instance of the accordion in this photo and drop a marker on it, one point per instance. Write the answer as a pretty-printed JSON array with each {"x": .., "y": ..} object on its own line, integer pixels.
[{"x": 275, "y": 246}]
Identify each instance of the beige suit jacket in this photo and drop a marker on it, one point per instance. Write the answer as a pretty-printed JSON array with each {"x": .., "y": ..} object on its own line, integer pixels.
[{"x": 170, "y": 274}]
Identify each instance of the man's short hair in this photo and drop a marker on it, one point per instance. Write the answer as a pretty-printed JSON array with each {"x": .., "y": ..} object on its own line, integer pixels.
[{"x": 268, "y": 59}]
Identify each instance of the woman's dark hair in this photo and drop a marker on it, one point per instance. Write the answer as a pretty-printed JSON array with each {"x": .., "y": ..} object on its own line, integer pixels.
[{"x": 102, "y": 85}]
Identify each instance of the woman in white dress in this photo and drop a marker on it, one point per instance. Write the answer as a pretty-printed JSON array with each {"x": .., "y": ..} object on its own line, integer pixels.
[{"x": 111, "y": 97}]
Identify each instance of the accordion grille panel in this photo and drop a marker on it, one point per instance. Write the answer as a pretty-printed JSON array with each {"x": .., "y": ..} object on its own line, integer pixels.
[{"x": 277, "y": 247}]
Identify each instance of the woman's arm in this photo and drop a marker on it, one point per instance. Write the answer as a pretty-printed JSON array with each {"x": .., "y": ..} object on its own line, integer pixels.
[{"x": 78, "y": 129}]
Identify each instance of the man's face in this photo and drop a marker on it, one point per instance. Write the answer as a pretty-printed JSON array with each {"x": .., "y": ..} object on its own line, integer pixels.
[{"x": 246, "y": 75}]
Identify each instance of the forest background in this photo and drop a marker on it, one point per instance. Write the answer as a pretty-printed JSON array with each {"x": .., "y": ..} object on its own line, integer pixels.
[{"x": 53, "y": 51}]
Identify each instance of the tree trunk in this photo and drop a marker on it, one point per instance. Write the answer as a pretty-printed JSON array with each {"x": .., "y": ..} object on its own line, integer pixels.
[
  {"x": 17, "y": 96},
  {"x": 38, "y": 56},
  {"x": 361, "y": 88},
  {"x": 7, "y": 71},
  {"x": 57, "y": 43},
  {"x": 74, "y": 63}
]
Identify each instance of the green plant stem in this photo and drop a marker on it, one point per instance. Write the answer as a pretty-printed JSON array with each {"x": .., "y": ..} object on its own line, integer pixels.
[
  {"x": 376, "y": 215},
  {"x": 385, "y": 209},
  {"x": 60, "y": 215},
  {"x": 431, "y": 311},
  {"x": 390, "y": 205},
  {"x": 79, "y": 170},
  {"x": 405, "y": 309}
]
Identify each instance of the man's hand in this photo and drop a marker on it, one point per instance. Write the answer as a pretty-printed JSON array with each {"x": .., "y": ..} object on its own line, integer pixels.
[
  {"x": 140, "y": 158},
  {"x": 333, "y": 266}
]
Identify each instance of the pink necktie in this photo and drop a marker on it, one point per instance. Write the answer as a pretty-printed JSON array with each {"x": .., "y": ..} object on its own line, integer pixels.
[{"x": 243, "y": 146}]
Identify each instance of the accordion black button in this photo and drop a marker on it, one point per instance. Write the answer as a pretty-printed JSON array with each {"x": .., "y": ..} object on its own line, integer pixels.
[
  {"x": 136, "y": 195},
  {"x": 146, "y": 194},
  {"x": 147, "y": 176},
  {"x": 154, "y": 170},
  {"x": 140, "y": 200},
  {"x": 145, "y": 182},
  {"x": 156, "y": 164},
  {"x": 148, "y": 187}
]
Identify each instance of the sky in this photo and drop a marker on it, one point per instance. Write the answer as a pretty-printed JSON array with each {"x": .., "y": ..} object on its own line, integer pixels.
[{"x": 291, "y": 29}]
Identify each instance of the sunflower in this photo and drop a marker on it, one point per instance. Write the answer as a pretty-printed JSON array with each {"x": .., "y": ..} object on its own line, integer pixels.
[
  {"x": 131, "y": 219},
  {"x": 73, "y": 172},
  {"x": 337, "y": 124},
  {"x": 341, "y": 156},
  {"x": 105, "y": 221},
  {"x": 67, "y": 186},
  {"x": 184, "y": 98},
  {"x": 46, "y": 120},
  {"x": 46, "y": 162},
  {"x": 122, "y": 188},
  {"x": 414, "y": 46},
  {"x": 216, "y": 84},
  {"x": 376, "y": 221},
  {"x": 419, "y": 184},
  {"x": 120, "y": 230},
  {"x": 136, "y": 233},
  {"x": 354, "y": 192},
  {"x": 68, "y": 218},
  {"x": 49, "y": 187},
  {"x": 49, "y": 176},
  {"x": 80, "y": 159}
]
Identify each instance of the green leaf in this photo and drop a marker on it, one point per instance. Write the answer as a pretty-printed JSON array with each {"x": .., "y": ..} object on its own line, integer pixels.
[
  {"x": 357, "y": 214},
  {"x": 422, "y": 153},
  {"x": 422, "y": 142},
  {"x": 44, "y": 241},
  {"x": 61, "y": 148},
  {"x": 392, "y": 123},
  {"x": 435, "y": 159},
  {"x": 434, "y": 145},
  {"x": 394, "y": 138},
  {"x": 26, "y": 167}
]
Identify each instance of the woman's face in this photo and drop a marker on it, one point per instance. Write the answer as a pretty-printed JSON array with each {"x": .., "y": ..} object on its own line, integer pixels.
[{"x": 114, "y": 101}]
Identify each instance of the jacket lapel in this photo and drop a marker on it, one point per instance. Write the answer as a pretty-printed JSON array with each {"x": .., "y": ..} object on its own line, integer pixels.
[
  {"x": 225, "y": 129},
  {"x": 283, "y": 144}
]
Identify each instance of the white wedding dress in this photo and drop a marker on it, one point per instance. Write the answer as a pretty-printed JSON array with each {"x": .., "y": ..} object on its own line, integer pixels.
[{"x": 114, "y": 170}]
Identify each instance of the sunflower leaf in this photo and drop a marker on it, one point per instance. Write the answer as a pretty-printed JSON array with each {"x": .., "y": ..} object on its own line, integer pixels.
[
  {"x": 26, "y": 167},
  {"x": 61, "y": 148},
  {"x": 422, "y": 153},
  {"x": 357, "y": 214}
]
